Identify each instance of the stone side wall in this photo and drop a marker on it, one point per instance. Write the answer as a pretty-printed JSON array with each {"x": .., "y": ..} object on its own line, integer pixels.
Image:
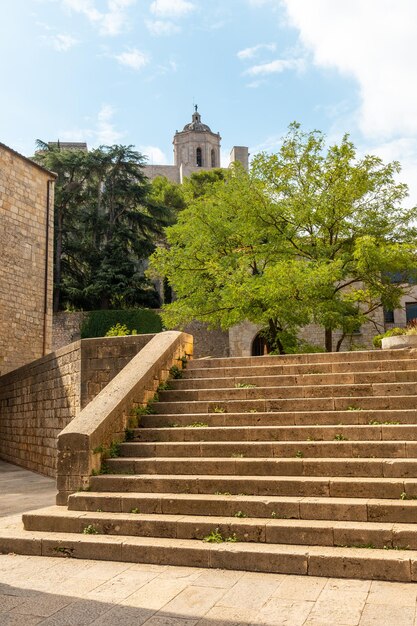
[
  {"x": 213, "y": 343},
  {"x": 38, "y": 400},
  {"x": 25, "y": 326},
  {"x": 66, "y": 328},
  {"x": 103, "y": 358}
]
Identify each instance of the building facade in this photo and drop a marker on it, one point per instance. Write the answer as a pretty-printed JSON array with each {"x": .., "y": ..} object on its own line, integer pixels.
[{"x": 26, "y": 259}]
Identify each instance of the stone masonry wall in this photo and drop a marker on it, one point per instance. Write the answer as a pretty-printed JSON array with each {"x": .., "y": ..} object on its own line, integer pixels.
[
  {"x": 38, "y": 400},
  {"x": 66, "y": 328},
  {"x": 25, "y": 326}
]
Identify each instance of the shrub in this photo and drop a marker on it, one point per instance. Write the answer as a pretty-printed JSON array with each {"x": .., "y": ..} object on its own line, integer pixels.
[
  {"x": 99, "y": 323},
  {"x": 120, "y": 330},
  {"x": 393, "y": 332}
]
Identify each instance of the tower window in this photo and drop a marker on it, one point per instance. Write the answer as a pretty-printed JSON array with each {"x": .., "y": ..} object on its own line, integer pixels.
[
  {"x": 213, "y": 159},
  {"x": 199, "y": 158}
]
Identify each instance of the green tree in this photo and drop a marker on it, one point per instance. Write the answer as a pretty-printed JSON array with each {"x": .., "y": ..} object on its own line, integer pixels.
[
  {"x": 107, "y": 227},
  {"x": 308, "y": 234}
]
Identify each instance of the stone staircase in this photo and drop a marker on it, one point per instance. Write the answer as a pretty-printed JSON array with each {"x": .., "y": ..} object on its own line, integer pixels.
[{"x": 303, "y": 464}]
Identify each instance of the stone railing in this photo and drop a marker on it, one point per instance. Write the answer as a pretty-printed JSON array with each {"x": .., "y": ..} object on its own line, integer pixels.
[{"x": 103, "y": 421}]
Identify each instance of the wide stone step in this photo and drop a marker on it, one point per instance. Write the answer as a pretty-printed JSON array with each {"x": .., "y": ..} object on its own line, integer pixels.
[
  {"x": 289, "y": 404},
  {"x": 296, "y": 359},
  {"x": 226, "y": 529},
  {"x": 198, "y": 371},
  {"x": 271, "y": 507},
  {"x": 348, "y": 378},
  {"x": 271, "y": 449},
  {"x": 376, "y": 467},
  {"x": 295, "y": 391},
  {"x": 202, "y": 432},
  {"x": 253, "y": 417},
  {"x": 311, "y": 486},
  {"x": 395, "y": 565}
]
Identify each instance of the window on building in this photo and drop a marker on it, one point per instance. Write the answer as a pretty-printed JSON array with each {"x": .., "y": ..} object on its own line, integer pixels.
[
  {"x": 410, "y": 311},
  {"x": 213, "y": 159},
  {"x": 199, "y": 158},
  {"x": 388, "y": 316}
]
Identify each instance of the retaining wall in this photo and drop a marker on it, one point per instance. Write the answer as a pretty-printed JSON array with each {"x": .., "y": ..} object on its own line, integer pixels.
[{"x": 39, "y": 399}]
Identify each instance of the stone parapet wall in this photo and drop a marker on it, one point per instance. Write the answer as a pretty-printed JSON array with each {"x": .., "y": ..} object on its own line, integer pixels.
[{"x": 38, "y": 400}]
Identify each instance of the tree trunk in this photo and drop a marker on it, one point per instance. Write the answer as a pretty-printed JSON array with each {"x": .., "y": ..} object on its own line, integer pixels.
[
  {"x": 328, "y": 339},
  {"x": 339, "y": 343}
]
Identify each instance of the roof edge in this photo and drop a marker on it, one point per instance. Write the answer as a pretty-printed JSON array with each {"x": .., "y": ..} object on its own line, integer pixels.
[{"x": 24, "y": 158}]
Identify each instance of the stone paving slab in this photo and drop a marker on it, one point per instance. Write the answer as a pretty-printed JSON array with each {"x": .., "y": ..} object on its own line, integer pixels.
[{"x": 64, "y": 592}]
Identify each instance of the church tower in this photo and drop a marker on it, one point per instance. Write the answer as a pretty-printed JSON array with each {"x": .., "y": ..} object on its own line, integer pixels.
[{"x": 196, "y": 146}]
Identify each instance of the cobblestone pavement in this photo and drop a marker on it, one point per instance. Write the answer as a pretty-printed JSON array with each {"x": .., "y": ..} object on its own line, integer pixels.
[{"x": 66, "y": 592}]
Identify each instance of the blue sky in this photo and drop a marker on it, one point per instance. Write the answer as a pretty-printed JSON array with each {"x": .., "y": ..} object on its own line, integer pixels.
[{"x": 129, "y": 71}]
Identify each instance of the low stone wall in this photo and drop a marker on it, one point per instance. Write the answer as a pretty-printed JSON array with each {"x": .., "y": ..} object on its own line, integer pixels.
[
  {"x": 39, "y": 399},
  {"x": 82, "y": 444},
  {"x": 66, "y": 328}
]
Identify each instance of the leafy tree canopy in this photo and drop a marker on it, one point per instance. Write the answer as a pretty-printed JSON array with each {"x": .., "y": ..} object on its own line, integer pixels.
[
  {"x": 308, "y": 235},
  {"x": 106, "y": 224}
]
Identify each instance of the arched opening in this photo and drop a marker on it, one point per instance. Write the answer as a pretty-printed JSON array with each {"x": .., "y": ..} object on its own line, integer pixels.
[
  {"x": 213, "y": 158},
  {"x": 199, "y": 157},
  {"x": 260, "y": 346}
]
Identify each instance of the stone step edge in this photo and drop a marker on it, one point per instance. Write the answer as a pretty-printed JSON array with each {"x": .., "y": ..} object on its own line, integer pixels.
[
  {"x": 55, "y": 513},
  {"x": 329, "y": 508},
  {"x": 190, "y": 372},
  {"x": 400, "y": 566},
  {"x": 377, "y": 355},
  {"x": 206, "y": 379}
]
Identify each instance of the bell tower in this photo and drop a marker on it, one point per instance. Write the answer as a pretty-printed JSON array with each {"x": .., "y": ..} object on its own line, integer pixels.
[{"x": 196, "y": 146}]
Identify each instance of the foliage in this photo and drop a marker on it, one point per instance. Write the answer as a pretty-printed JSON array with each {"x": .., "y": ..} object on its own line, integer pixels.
[
  {"x": 98, "y": 323},
  {"x": 308, "y": 235},
  {"x": 392, "y": 332},
  {"x": 106, "y": 224},
  {"x": 175, "y": 372},
  {"x": 90, "y": 530},
  {"x": 120, "y": 330}
]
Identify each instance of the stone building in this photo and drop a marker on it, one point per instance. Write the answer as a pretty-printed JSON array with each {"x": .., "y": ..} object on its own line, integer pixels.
[
  {"x": 26, "y": 259},
  {"x": 196, "y": 148}
]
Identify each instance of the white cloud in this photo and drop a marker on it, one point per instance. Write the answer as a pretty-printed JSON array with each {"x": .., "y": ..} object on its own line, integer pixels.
[
  {"x": 155, "y": 155},
  {"x": 375, "y": 43},
  {"x": 62, "y": 42},
  {"x": 135, "y": 59},
  {"x": 102, "y": 131},
  {"x": 106, "y": 132},
  {"x": 276, "y": 67},
  {"x": 249, "y": 53},
  {"x": 171, "y": 8},
  {"x": 112, "y": 21},
  {"x": 161, "y": 27}
]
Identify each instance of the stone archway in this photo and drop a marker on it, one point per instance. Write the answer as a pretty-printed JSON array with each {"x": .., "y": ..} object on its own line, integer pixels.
[{"x": 260, "y": 346}]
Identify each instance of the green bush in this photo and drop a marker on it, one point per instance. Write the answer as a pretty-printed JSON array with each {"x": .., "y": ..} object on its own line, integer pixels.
[
  {"x": 98, "y": 323},
  {"x": 393, "y": 332},
  {"x": 120, "y": 330}
]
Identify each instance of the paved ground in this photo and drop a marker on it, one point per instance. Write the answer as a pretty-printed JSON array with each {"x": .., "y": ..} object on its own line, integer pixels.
[{"x": 65, "y": 592}]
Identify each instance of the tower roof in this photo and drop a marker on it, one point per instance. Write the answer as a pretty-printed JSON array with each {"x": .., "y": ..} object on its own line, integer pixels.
[{"x": 196, "y": 124}]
